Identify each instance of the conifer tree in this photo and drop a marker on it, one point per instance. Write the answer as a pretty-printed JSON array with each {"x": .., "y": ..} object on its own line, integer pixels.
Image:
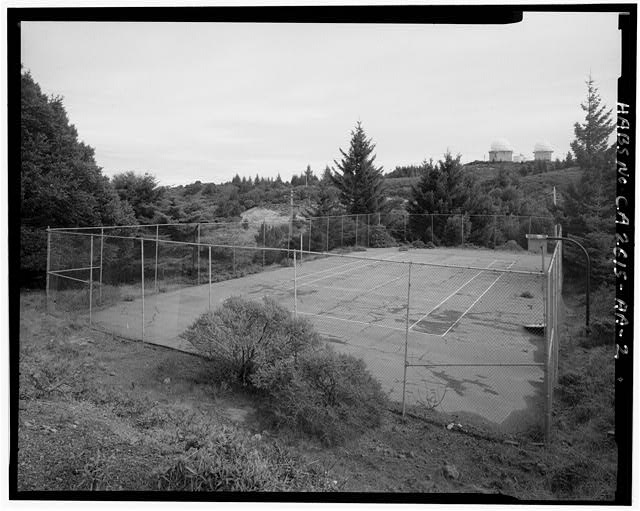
[
  {"x": 591, "y": 145},
  {"x": 359, "y": 182},
  {"x": 589, "y": 207}
]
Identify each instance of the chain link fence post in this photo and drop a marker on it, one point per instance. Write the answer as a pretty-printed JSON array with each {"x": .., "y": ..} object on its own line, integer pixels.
[
  {"x": 295, "y": 285},
  {"x": 342, "y": 231},
  {"x": 210, "y": 278},
  {"x": 198, "y": 258},
  {"x": 156, "y": 262},
  {"x": 368, "y": 220},
  {"x": 327, "y": 234},
  {"x": 101, "y": 259},
  {"x": 404, "y": 222},
  {"x": 432, "y": 233},
  {"x": 406, "y": 344},
  {"x": 142, "y": 281},
  {"x": 309, "y": 235},
  {"x": 264, "y": 241},
  {"x": 48, "y": 288},
  {"x": 356, "y": 241},
  {"x": 91, "y": 281}
]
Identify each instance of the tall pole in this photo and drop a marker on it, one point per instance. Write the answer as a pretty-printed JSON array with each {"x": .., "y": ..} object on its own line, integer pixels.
[
  {"x": 309, "y": 235},
  {"x": 48, "y": 267},
  {"x": 290, "y": 223},
  {"x": 406, "y": 343},
  {"x": 91, "y": 281},
  {"x": 495, "y": 230},
  {"x": 209, "y": 278},
  {"x": 142, "y": 282},
  {"x": 156, "y": 268},
  {"x": 101, "y": 251},
  {"x": 264, "y": 241},
  {"x": 462, "y": 230},
  {"x": 301, "y": 248},
  {"x": 342, "y": 231}
]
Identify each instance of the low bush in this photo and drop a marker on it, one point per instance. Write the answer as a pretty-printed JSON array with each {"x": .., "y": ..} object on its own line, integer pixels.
[
  {"x": 418, "y": 244},
  {"x": 244, "y": 335},
  {"x": 379, "y": 237},
  {"x": 229, "y": 460},
  {"x": 306, "y": 386},
  {"x": 325, "y": 394},
  {"x": 602, "y": 321}
]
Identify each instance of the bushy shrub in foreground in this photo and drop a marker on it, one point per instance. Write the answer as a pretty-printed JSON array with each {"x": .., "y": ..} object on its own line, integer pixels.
[
  {"x": 323, "y": 393},
  {"x": 244, "y": 335},
  {"x": 306, "y": 386}
]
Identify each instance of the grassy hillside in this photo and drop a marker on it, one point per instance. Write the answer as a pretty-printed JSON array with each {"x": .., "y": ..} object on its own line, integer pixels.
[
  {"x": 531, "y": 184},
  {"x": 536, "y": 183}
]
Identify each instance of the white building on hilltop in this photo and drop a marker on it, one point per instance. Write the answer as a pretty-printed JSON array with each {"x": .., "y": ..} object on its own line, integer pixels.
[
  {"x": 542, "y": 151},
  {"x": 501, "y": 150}
]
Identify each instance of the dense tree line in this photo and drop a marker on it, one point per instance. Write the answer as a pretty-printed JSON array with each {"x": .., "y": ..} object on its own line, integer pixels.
[{"x": 63, "y": 186}]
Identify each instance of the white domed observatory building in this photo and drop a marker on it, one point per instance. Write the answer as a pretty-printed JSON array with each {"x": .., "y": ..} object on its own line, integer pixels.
[
  {"x": 542, "y": 151},
  {"x": 501, "y": 150}
]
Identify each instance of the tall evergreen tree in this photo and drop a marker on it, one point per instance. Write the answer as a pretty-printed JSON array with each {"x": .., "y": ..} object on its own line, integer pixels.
[
  {"x": 589, "y": 207},
  {"x": 591, "y": 145},
  {"x": 61, "y": 185},
  {"x": 359, "y": 182}
]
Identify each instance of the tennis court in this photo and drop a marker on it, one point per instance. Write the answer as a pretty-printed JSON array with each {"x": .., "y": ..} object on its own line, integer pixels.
[{"x": 464, "y": 327}]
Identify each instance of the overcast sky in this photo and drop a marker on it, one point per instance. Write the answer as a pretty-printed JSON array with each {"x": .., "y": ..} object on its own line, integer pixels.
[{"x": 204, "y": 101}]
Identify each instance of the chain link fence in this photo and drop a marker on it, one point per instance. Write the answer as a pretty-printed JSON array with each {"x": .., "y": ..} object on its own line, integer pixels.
[{"x": 457, "y": 331}]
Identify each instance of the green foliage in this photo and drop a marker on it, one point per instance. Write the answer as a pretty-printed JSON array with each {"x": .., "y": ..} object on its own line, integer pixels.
[
  {"x": 61, "y": 185},
  {"x": 380, "y": 238},
  {"x": 589, "y": 208},
  {"x": 443, "y": 188},
  {"x": 591, "y": 145},
  {"x": 227, "y": 459},
  {"x": 358, "y": 180},
  {"x": 325, "y": 394},
  {"x": 141, "y": 192},
  {"x": 246, "y": 335},
  {"x": 306, "y": 387}
]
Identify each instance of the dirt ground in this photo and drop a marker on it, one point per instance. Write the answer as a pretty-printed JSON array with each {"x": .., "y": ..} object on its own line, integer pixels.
[{"x": 100, "y": 413}]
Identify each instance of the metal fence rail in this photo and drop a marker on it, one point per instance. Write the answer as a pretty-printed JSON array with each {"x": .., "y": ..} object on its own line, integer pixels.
[
  {"x": 342, "y": 231},
  {"x": 440, "y": 334}
]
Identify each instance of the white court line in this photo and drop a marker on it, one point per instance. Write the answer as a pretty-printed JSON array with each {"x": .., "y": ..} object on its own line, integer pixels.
[
  {"x": 353, "y": 321},
  {"x": 341, "y": 272},
  {"x": 452, "y": 294},
  {"x": 353, "y": 263},
  {"x": 368, "y": 325},
  {"x": 476, "y": 300},
  {"x": 357, "y": 290}
]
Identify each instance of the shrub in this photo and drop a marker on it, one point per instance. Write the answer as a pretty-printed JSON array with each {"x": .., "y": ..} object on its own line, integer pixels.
[
  {"x": 228, "y": 460},
  {"x": 244, "y": 335},
  {"x": 325, "y": 394},
  {"x": 602, "y": 323},
  {"x": 418, "y": 244},
  {"x": 379, "y": 237}
]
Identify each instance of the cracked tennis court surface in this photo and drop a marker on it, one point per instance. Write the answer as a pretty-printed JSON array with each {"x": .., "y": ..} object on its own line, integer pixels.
[{"x": 464, "y": 325}]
